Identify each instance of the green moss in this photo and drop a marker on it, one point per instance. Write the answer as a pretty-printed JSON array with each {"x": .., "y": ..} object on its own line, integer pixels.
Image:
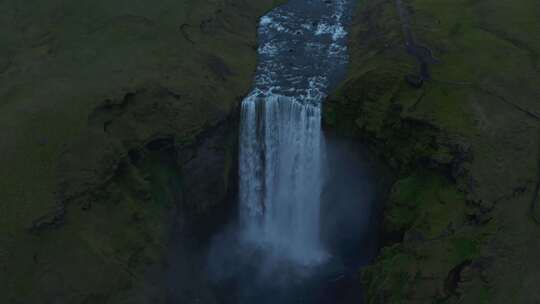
[
  {"x": 81, "y": 84},
  {"x": 461, "y": 143},
  {"x": 448, "y": 138},
  {"x": 465, "y": 248},
  {"x": 425, "y": 201},
  {"x": 164, "y": 178},
  {"x": 392, "y": 272},
  {"x": 484, "y": 296}
]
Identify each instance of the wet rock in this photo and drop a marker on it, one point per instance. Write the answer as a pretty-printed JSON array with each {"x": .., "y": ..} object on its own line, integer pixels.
[{"x": 209, "y": 168}]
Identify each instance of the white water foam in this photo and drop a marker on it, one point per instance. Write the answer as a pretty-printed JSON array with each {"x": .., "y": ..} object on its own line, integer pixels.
[
  {"x": 280, "y": 178},
  {"x": 281, "y": 143}
]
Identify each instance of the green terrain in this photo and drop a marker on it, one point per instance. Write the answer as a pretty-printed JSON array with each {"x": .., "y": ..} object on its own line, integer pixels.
[
  {"x": 461, "y": 222},
  {"x": 118, "y": 128},
  {"x": 114, "y": 118}
]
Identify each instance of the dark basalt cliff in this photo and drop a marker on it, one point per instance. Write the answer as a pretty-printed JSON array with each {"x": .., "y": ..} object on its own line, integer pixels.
[
  {"x": 447, "y": 92},
  {"x": 117, "y": 132}
]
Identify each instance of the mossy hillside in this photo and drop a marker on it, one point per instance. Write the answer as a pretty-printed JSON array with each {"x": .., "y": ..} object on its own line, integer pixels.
[
  {"x": 108, "y": 240},
  {"x": 425, "y": 204},
  {"x": 84, "y": 83},
  {"x": 429, "y": 215},
  {"x": 465, "y": 145}
]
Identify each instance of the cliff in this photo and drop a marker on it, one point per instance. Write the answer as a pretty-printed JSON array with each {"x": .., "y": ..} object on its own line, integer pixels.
[
  {"x": 447, "y": 91},
  {"x": 116, "y": 131}
]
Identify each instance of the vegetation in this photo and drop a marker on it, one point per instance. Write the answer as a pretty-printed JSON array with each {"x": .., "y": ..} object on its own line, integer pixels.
[
  {"x": 458, "y": 224},
  {"x": 104, "y": 106}
]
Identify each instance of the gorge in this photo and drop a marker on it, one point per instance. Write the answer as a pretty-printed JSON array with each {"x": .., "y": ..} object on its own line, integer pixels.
[
  {"x": 286, "y": 250},
  {"x": 269, "y": 151}
]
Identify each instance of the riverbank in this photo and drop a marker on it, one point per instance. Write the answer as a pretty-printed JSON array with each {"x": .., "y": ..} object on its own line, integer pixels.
[{"x": 458, "y": 223}]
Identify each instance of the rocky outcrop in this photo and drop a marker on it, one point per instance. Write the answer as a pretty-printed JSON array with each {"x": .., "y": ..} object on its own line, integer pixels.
[{"x": 457, "y": 218}]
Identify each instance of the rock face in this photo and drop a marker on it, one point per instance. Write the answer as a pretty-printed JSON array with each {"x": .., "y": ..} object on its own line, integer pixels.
[
  {"x": 117, "y": 121},
  {"x": 459, "y": 223}
]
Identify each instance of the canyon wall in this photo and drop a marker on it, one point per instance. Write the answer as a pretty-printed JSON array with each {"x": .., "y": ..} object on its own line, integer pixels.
[{"x": 447, "y": 92}]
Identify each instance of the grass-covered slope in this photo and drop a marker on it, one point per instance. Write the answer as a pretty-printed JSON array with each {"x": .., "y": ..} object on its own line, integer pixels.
[
  {"x": 460, "y": 221},
  {"x": 105, "y": 116}
]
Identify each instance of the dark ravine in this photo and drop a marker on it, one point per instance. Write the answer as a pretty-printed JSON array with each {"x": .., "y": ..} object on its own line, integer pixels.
[
  {"x": 351, "y": 199},
  {"x": 275, "y": 253},
  {"x": 179, "y": 278}
]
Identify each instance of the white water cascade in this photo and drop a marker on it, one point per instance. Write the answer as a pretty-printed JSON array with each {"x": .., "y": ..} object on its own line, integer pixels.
[
  {"x": 281, "y": 173},
  {"x": 302, "y": 49}
]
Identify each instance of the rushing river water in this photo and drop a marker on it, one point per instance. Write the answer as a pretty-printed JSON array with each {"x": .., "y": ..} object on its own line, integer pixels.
[
  {"x": 307, "y": 215},
  {"x": 302, "y": 54}
]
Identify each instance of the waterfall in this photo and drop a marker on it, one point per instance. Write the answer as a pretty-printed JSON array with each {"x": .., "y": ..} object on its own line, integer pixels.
[
  {"x": 302, "y": 51},
  {"x": 280, "y": 174}
]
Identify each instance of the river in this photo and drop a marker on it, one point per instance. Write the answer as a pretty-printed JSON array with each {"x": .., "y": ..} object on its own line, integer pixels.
[
  {"x": 306, "y": 216},
  {"x": 308, "y": 205}
]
